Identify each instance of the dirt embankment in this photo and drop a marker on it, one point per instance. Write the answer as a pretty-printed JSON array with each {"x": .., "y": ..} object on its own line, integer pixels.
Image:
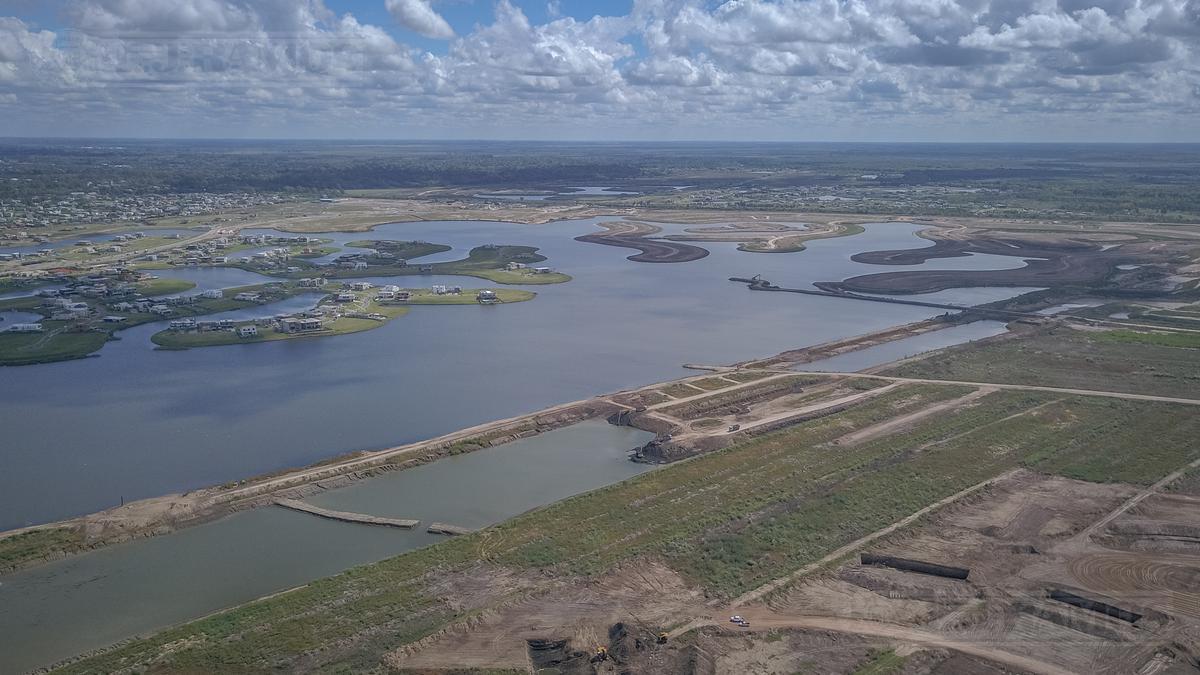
[
  {"x": 1049, "y": 263},
  {"x": 636, "y": 235},
  {"x": 162, "y": 515}
]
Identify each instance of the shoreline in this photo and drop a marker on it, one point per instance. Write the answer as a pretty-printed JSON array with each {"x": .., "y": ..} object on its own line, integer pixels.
[{"x": 164, "y": 514}]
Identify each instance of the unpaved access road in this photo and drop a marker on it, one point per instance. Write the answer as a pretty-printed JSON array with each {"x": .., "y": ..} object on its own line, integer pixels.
[
  {"x": 761, "y": 618},
  {"x": 1018, "y": 387}
]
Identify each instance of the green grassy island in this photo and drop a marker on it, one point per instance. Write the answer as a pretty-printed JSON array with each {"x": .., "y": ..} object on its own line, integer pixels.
[{"x": 335, "y": 314}]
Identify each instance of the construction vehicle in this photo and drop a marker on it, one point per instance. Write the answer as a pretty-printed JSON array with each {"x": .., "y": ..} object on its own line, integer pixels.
[
  {"x": 601, "y": 654},
  {"x": 734, "y": 427},
  {"x": 662, "y": 638}
]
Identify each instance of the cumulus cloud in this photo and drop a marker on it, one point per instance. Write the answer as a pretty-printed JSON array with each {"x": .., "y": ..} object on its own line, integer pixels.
[
  {"x": 419, "y": 17},
  {"x": 668, "y": 63}
]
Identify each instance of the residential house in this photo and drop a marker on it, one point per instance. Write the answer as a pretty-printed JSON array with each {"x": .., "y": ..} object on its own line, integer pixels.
[
  {"x": 24, "y": 328},
  {"x": 299, "y": 325}
]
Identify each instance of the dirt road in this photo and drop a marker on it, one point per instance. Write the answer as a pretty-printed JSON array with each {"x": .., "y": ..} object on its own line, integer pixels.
[
  {"x": 1018, "y": 387},
  {"x": 765, "y": 619}
]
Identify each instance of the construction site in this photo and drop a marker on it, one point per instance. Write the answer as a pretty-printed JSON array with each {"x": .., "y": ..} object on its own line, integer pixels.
[{"x": 1023, "y": 503}]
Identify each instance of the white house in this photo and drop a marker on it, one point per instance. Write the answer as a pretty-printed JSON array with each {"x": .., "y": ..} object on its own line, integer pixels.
[
  {"x": 212, "y": 294},
  {"x": 24, "y": 328},
  {"x": 247, "y": 297},
  {"x": 248, "y": 331}
]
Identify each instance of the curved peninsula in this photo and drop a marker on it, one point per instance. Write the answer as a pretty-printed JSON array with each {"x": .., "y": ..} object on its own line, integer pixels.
[{"x": 637, "y": 236}]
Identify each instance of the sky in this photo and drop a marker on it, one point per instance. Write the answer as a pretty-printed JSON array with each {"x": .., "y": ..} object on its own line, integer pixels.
[{"x": 770, "y": 70}]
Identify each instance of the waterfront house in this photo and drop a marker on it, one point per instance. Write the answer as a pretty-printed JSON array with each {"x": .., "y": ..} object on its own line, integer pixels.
[
  {"x": 360, "y": 286},
  {"x": 161, "y": 310},
  {"x": 513, "y": 266},
  {"x": 248, "y": 297},
  {"x": 346, "y": 297},
  {"x": 213, "y": 294},
  {"x": 487, "y": 297},
  {"x": 299, "y": 325},
  {"x": 24, "y": 328},
  {"x": 542, "y": 270},
  {"x": 248, "y": 331}
]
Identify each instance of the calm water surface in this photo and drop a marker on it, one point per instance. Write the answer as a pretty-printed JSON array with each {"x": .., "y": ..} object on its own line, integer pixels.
[
  {"x": 71, "y": 606},
  {"x": 80, "y": 436},
  {"x": 887, "y": 352}
]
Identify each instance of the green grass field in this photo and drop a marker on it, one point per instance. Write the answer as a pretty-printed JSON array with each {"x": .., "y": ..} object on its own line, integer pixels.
[
  {"x": 1162, "y": 339},
  {"x": 1064, "y": 357},
  {"x": 345, "y": 325},
  {"x": 729, "y": 521},
  {"x": 21, "y": 349},
  {"x": 20, "y": 549}
]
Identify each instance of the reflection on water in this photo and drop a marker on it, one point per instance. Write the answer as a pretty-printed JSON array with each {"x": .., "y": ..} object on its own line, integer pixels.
[
  {"x": 71, "y": 606},
  {"x": 887, "y": 352},
  {"x": 167, "y": 421}
]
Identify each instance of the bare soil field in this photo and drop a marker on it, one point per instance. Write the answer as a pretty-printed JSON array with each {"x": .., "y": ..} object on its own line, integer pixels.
[
  {"x": 1019, "y": 538},
  {"x": 1050, "y": 262}
]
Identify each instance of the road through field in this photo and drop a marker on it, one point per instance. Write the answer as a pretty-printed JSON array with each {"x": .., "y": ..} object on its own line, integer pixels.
[
  {"x": 1018, "y": 387},
  {"x": 766, "y": 619}
]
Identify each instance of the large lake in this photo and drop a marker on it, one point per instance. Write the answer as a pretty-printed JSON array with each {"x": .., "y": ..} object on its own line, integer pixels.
[{"x": 136, "y": 422}]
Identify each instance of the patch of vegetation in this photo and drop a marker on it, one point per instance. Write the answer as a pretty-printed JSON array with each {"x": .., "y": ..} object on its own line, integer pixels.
[
  {"x": 342, "y": 325},
  {"x": 795, "y": 243},
  {"x": 316, "y": 252},
  {"x": 1188, "y": 483},
  {"x": 1070, "y": 358},
  {"x": 485, "y": 262},
  {"x": 881, "y": 662},
  {"x": 1121, "y": 441},
  {"x": 729, "y": 521},
  {"x": 401, "y": 249},
  {"x": 746, "y": 375},
  {"x": 55, "y": 344},
  {"x": 1181, "y": 340},
  {"x": 424, "y": 296},
  {"x": 681, "y": 390},
  {"x": 22, "y": 549},
  {"x": 711, "y": 383}
]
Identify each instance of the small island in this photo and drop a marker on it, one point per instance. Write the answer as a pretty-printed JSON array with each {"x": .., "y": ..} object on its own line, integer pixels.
[{"x": 353, "y": 308}]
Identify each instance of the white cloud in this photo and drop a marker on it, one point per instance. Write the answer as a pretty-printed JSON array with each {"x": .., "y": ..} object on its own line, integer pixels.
[
  {"x": 669, "y": 64},
  {"x": 418, "y": 16}
]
